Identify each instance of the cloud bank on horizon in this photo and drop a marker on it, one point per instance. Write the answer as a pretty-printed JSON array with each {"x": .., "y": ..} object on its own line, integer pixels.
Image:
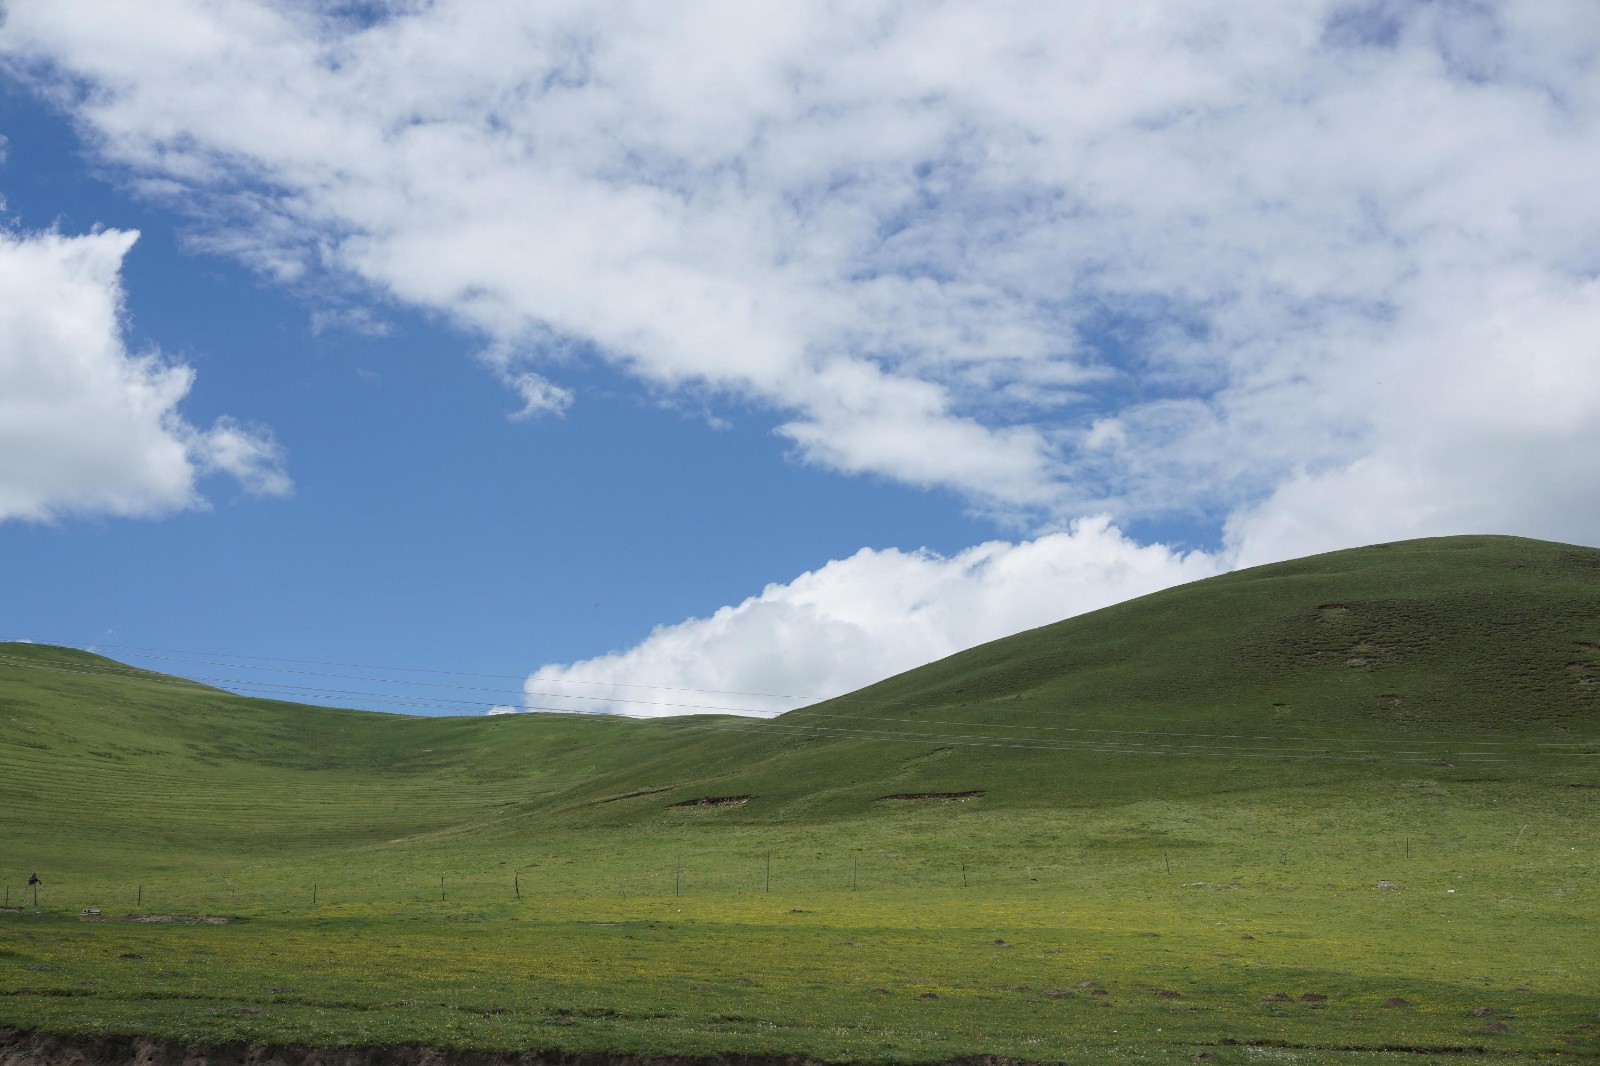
[
  {"x": 867, "y": 617},
  {"x": 1309, "y": 274}
]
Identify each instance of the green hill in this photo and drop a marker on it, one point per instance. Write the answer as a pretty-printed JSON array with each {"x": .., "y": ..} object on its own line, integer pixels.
[{"x": 1120, "y": 793}]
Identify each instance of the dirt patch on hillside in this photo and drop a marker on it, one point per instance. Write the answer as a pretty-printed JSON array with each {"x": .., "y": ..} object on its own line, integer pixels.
[
  {"x": 185, "y": 919},
  {"x": 714, "y": 801},
  {"x": 20, "y": 1048},
  {"x": 947, "y": 797}
]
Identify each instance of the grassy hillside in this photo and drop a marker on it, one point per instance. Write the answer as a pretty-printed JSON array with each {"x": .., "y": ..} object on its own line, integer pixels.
[{"x": 1121, "y": 836}]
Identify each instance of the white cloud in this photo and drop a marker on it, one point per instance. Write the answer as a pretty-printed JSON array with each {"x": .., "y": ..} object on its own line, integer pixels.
[
  {"x": 361, "y": 321},
  {"x": 856, "y": 620},
  {"x": 1486, "y": 423},
  {"x": 539, "y": 395},
  {"x": 1306, "y": 273},
  {"x": 1057, "y": 258},
  {"x": 86, "y": 428},
  {"x": 248, "y": 454}
]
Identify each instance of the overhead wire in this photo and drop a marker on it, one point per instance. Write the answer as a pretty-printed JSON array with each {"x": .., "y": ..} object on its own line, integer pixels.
[
  {"x": 276, "y": 689},
  {"x": 523, "y": 694},
  {"x": 1385, "y": 747},
  {"x": 221, "y": 658},
  {"x": 1431, "y": 758}
]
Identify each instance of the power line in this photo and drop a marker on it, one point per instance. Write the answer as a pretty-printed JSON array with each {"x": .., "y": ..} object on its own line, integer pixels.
[
  {"x": 232, "y": 659},
  {"x": 522, "y": 695},
  {"x": 1385, "y": 747},
  {"x": 1103, "y": 749},
  {"x": 1130, "y": 732}
]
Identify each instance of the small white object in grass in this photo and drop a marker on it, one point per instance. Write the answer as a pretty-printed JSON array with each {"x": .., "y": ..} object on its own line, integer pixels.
[{"x": 1450, "y": 891}]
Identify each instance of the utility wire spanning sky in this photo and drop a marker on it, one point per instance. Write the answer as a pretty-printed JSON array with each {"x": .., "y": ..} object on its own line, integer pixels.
[{"x": 776, "y": 347}]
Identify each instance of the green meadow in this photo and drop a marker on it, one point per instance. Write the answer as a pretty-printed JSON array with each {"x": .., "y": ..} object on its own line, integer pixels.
[{"x": 1336, "y": 810}]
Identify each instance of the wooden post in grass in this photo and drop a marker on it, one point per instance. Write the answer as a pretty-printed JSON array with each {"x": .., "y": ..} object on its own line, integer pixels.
[
  {"x": 769, "y": 872},
  {"x": 516, "y": 884},
  {"x": 963, "y": 875},
  {"x": 441, "y": 888},
  {"x": 138, "y": 898},
  {"x": 852, "y": 877},
  {"x": 677, "y": 873},
  {"x": 1408, "y": 847},
  {"x": 1166, "y": 859},
  {"x": 313, "y": 893}
]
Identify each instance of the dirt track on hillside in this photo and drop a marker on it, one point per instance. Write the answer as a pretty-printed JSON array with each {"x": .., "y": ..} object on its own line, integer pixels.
[{"x": 22, "y": 1048}]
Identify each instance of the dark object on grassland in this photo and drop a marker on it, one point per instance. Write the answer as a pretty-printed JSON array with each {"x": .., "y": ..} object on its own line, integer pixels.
[{"x": 956, "y": 796}]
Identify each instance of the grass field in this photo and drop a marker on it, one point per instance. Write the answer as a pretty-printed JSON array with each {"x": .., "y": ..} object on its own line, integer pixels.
[{"x": 1158, "y": 831}]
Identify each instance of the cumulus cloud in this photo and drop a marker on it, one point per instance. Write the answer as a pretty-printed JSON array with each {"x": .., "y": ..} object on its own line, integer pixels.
[
  {"x": 856, "y": 620},
  {"x": 86, "y": 428},
  {"x": 1056, "y": 258},
  {"x": 1298, "y": 273}
]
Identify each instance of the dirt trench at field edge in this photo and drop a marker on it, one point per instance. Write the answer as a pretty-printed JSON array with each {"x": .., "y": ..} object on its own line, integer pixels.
[{"x": 24, "y": 1048}]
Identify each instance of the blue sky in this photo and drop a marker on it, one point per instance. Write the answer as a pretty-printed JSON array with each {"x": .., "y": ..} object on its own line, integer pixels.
[
  {"x": 779, "y": 354},
  {"x": 426, "y": 528}
]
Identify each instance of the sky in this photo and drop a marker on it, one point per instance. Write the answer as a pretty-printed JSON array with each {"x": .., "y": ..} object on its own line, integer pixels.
[{"x": 459, "y": 356}]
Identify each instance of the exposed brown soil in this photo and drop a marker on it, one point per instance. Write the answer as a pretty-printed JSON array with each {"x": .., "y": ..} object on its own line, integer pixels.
[
  {"x": 186, "y": 919},
  {"x": 714, "y": 801},
  {"x": 23, "y": 1048},
  {"x": 914, "y": 796}
]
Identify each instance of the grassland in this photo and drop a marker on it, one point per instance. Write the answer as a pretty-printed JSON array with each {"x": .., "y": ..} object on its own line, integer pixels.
[{"x": 1368, "y": 776}]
